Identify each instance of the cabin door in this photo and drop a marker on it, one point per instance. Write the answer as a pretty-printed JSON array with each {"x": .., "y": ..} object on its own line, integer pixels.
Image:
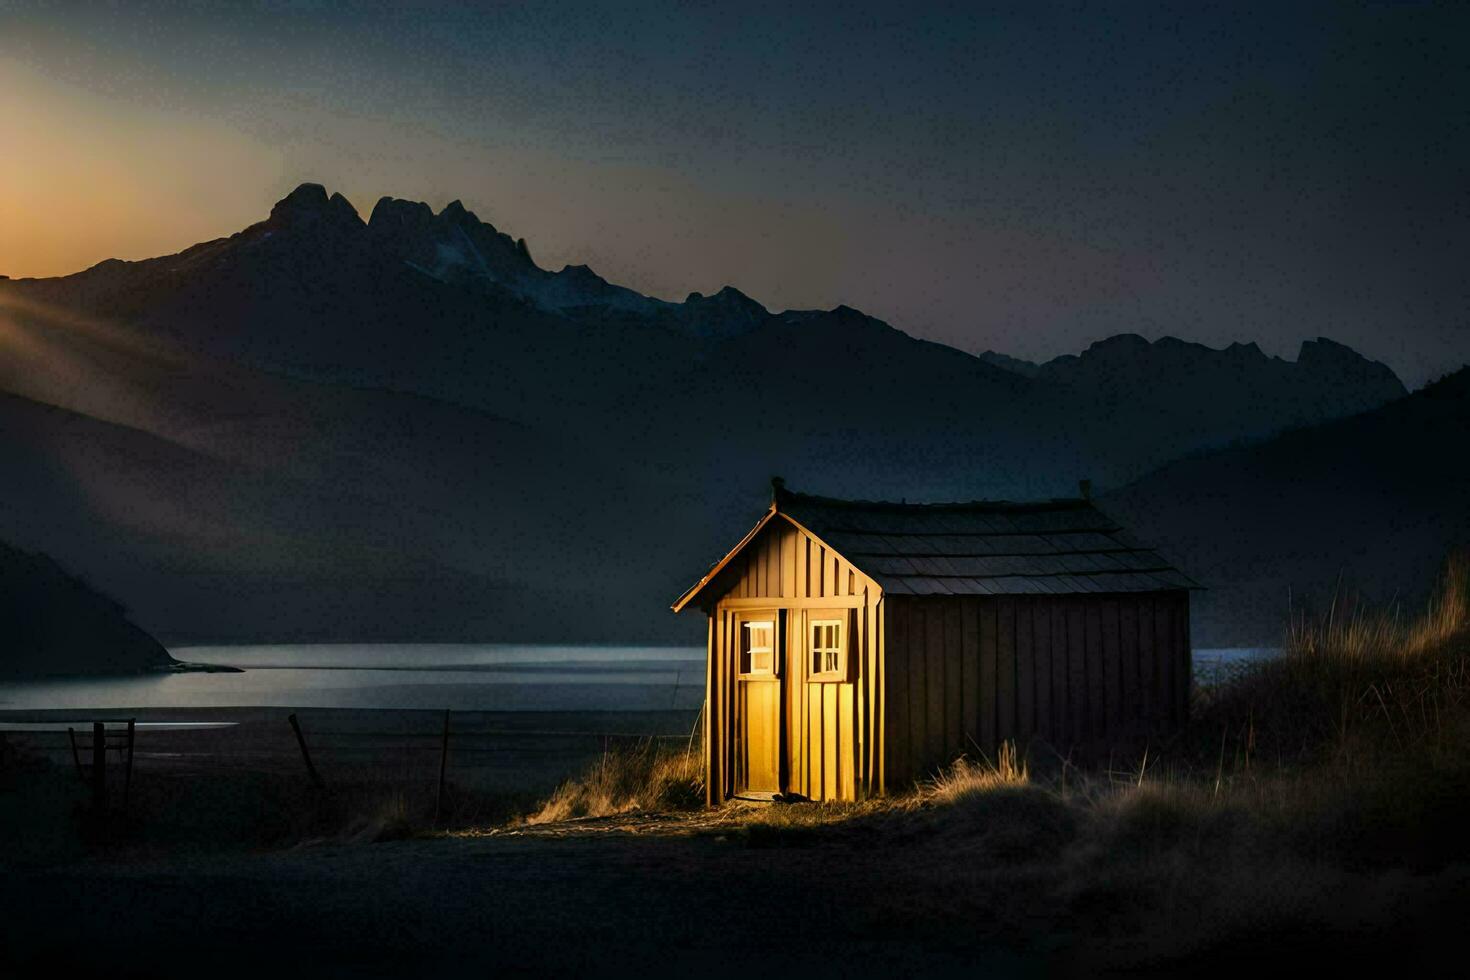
[{"x": 759, "y": 684}]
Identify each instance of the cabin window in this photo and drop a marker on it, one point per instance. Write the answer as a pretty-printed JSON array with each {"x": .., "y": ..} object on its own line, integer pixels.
[
  {"x": 758, "y": 648},
  {"x": 828, "y": 649}
]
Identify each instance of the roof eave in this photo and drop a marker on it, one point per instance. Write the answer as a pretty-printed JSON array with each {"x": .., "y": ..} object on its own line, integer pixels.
[{"x": 681, "y": 603}]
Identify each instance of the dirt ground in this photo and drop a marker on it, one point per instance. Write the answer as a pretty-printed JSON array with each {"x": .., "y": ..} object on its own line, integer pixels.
[
  {"x": 654, "y": 904},
  {"x": 210, "y": 882},
  {"x": 681, "y": 895}
]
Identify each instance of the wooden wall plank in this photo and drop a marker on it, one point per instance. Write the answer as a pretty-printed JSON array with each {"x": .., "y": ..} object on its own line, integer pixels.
[
  {"x": 1128, "y": 654},
  {"x": 1078, "y": 711},
  {"x": 1060, "y": 706},
  {"x": 830, "y": 725},
  {"x": 987, "y": 700},
  {"x": 710, "y": 735},
  {"x": 800, "y": 698},
  {"x": 846, "y": 742},
  {"x": 954, "y": 708},
  {"x": 1025, "y": 671},
  {"x": 1005, "y": 668},
  {"x": 863, "y": 703},
  {"x": 778, "y": 586},
  {"x": 788, "y": 563},
  {"x": 804, "y": 561},
  {"x": 771, "y": 576},
  {"x": 918, "y": 690},
  {"x": 1168, "y": 657},
  {"x": 970, "y": 673},
  {"x": 880, "y": 694},
  {"x": 934, "y": 675},
  {"x": 728, "y": 671},
  {"x": 896, "y": 700},
  {"x": 815, "y": 744},
  {"x": 723, "y": 708},
  {"x": 717, "y": 707},
  {"x": 758, "y": 566},
  {"x": 1112, "y": 666},
  {"x": 1041, "y": 617},
  {"x": 709, "y": 741},
  {"x": 1148, "y": 667},
  {"x": 792, "y": 718},
  {"x": 1097, "y": 688}
]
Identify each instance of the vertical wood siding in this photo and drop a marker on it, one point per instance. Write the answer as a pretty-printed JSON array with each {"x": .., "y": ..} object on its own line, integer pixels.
[
  {"x": 962, "y": 674},
  {"x": 833, "y": 745}
]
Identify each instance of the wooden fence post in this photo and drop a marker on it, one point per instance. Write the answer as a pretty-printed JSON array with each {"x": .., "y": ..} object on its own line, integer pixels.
[
  {"x": 443, "y": 762},
  {"x": 316, "y": 779},
  {"x": 76, "y": 758}
]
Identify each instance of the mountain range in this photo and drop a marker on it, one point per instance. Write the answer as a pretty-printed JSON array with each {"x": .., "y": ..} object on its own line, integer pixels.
[{"x": 403, "y": 428}]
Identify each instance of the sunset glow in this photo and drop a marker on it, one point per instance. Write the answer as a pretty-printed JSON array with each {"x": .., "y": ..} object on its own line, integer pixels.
[{"x": 1031, "y": 184}]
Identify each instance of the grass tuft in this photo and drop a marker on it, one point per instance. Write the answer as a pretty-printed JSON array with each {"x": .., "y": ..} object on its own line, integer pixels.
[
  {"x": 967, "y": 779},
  {"x": 642, "y": 776}
]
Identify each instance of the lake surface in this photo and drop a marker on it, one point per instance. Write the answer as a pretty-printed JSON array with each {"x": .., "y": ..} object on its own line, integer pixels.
[{"x": 462, "y": 677}]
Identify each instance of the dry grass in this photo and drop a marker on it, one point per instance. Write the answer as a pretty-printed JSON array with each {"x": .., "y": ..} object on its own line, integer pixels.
[
  {"x": 1368, "y": 688},
  {"x": 643, "y": 776},
  {"x": 1354, "y": 631},
  {"x": 967, "y": 778}
]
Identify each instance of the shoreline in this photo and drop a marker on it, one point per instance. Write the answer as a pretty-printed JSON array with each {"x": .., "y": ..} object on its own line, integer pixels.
[{"x": 191, "y": 667}]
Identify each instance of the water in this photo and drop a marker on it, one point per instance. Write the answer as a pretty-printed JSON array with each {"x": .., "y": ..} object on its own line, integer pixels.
[
  {"x": 1214, "y": 665},
  {"x": 462, "y": 677}
]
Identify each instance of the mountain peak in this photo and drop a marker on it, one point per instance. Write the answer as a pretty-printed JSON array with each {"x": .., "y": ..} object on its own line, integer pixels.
[
  {"x": 1325, "y": 350},
  {"x": 1251, "y": 349},
  {"x": 727, "y": 313},
  {"x": 309, "y": 206},
  {"x": 728, "y": 298},
  {"x": 306, "y": 195},
  {"x": 1123, "y": 342},
  {"x": 455, "y": 211},
  {"x": 1339, "y": 361},
  {"x": 393, "y": 211},
  {"x": 580, "y": 273}
]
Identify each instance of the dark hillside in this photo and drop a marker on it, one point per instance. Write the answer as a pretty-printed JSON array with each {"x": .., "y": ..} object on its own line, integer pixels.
[
  {"x": 1377, "y": 499},
  {"x": 54, "y": 623}
]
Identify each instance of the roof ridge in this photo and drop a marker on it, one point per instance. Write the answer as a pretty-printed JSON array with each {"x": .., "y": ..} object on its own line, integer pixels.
[{"x": 782, "y": 495}]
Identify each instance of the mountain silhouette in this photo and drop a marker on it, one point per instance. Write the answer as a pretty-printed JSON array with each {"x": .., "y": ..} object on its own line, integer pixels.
[
  {"x": 54, "y": 623},
  {"x": 322, "y": 427}
]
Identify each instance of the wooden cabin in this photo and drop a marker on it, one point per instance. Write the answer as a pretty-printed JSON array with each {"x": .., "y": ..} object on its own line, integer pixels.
[{"x": 857, "y": 647}]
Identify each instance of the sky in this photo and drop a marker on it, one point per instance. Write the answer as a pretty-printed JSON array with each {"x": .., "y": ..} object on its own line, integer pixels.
[{"x": 1024, "y": 178}]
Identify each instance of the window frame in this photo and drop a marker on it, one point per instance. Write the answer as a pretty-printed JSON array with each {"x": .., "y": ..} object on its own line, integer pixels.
[
  {"x": 743, "y": 624},
  {"x": 843, "y": 621}
]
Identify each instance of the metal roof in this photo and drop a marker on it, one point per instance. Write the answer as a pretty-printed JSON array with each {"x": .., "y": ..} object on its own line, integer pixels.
[{"x": 980, "y": 547}]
